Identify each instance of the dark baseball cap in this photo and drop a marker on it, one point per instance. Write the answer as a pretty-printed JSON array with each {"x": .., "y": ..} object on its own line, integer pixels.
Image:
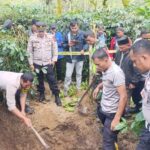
[{"x": 41, "y": 26}]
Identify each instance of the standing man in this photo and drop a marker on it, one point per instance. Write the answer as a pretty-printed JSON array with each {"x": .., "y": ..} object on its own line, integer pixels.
[
  {"x": 132, "y": 75},
  {"x": 91, "y": 39},
  {"x": 74, "y": 42},
  {"x": 16, "y": 86},
  {"x": 59, "y": 38},
  {"x": 101, "y": 35},
  {"x": 113, "y": 99},
  {"x": 140, "y": 55},
  {"x": 42, "y": 49}
]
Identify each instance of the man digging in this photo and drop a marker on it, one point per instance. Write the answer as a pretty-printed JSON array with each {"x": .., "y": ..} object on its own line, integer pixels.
[{"x": 16, "y": 86}]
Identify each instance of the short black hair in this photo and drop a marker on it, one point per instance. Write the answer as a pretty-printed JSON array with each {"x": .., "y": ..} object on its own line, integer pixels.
[
  {"x": 89, "y": 33},
  {"x": 73, "y": 23},
  {"x": 123, "y": 40},
  {"x": 120, "y": 29},
  {"x": 141, "y": 46},
  {"x": 100, "y": 53},
  {"x": 27, "y": 77},
  {"x": 33, "y": 22},
  {"x": 100, "y": 26}
]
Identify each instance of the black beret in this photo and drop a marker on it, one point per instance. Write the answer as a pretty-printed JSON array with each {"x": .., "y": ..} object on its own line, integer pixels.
[{"x": 123, "y": 40}]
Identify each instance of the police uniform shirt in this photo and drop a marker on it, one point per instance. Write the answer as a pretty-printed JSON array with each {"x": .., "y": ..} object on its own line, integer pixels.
[{"x": 146, "y": 99}]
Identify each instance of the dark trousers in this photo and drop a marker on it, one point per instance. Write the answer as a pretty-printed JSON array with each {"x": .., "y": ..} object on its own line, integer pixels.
[
  {"x": 144, "y": 143},
  {"x": 109, "y": 136},
  {"x": 17, "y": 97},
  {"x": 18, "y": 104},
  {"x": 136, "y": 93},
  {"x": 50, "y": 76},
  {"x": 59, "y": 69}
]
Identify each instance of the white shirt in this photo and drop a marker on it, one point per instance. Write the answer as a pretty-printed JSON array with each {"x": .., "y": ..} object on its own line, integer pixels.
[{"x": 10, "y": 82}]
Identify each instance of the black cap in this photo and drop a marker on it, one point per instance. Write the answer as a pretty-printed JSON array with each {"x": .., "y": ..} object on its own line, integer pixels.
[
  {"x": 123, "y": 40},
  {"x": 53, "y": 26},
  {"x": 40, "y": 26}
]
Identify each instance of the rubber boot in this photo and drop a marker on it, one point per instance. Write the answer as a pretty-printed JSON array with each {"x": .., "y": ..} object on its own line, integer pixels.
[
  {"x": 42, "y": 97},
  {"x": 57, "y": 100}
]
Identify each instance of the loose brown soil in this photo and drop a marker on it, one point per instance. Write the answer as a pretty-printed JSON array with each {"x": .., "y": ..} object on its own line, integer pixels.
[{"x": 61, "y": 130}]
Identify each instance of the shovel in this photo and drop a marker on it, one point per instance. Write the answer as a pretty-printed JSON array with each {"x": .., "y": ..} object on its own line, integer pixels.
[
  {"x": 84, "y": 110},
  {"x": 40, "y": 138}
]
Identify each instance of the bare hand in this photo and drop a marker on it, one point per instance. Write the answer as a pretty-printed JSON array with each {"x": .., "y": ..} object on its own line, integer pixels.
[
  {"x": 95, "y": 92},
  {"x": 32, "y": 67},
  {"x": 114, "y": 123},
  {"x": 82, "y": 52},
  {"x": 27, "y": 121},
  {"x": 23, "y": 112},
  {"x": 131, "y": 86}
]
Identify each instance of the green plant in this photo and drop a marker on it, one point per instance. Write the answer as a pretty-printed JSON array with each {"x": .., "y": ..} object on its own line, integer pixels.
[
  {"x": 12, "y": 57},
  {"x": 72, "y": 90},
  {"x": 135, "y": 126},
  {"x": 70, "y": 105},
  {"x": 138, "y": 123},
  {"x": 122, "y": 126}
]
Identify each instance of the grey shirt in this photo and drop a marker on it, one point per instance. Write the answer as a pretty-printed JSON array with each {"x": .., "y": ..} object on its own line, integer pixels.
[
  {"x": 146, "y": 99},
  {"x": 112, "y": 78}
]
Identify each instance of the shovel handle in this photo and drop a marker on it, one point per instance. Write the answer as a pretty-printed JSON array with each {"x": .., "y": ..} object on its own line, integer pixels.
[{"x": 40, "y": 138}]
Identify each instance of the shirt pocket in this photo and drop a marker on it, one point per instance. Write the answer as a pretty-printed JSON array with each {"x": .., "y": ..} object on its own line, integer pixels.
[
  {"x": 48, "y": 45},
  {"x": 36, "y": 45}
]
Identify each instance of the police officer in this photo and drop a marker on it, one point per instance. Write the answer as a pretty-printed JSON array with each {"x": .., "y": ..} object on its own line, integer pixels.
[
  {"x": 42, "y": 48},
  {"x": 140, "y": 55}
]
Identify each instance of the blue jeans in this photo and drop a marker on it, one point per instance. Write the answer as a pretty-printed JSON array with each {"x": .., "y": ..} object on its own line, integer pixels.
[{"x": 69, "y": 71}]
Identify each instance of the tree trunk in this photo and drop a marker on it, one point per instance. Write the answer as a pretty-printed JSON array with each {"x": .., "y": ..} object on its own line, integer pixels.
[
  {"x": 104, "y": 3},
  {"x": 126, "y": 3},
  {"x": 59, "y": 7}
]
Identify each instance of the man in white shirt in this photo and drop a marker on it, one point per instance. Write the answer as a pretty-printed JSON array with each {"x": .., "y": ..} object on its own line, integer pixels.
[{"x": 16, "y": 86}]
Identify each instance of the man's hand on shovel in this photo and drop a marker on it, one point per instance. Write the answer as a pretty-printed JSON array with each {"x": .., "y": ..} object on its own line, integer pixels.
[{"x": 27, "y": 121}]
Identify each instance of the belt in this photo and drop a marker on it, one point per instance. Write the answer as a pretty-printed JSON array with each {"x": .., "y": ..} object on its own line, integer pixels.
[{"x": 147, "y": 125}]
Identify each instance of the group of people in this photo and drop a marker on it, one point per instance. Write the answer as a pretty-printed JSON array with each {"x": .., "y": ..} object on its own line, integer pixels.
[{"x": 125, "y": 74}]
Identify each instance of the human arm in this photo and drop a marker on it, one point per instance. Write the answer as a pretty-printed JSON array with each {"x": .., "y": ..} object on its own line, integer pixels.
[
  {"x": 97, "y": 89},
  {"x": 65, "y": 43},
  {"x": 121, "y": 107},
  {"x": 54, "y": 51},
  {"x": 11, "y": 103},
  {"x": 17, "y": 113},
  {"x": 30, "y": 52},
  {"x": 23, "y": 103}
]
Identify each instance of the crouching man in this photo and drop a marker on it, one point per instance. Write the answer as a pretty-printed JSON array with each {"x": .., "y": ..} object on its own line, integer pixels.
[
  {"x": 16, "y": 86},
  {"x": 114, "y": 97}
]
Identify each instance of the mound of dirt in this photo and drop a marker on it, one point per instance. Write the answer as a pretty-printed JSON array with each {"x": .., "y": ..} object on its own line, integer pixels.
[{"x": 60, "y": 129}]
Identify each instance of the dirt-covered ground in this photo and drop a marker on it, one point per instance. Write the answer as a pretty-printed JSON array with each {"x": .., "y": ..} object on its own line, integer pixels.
[{"x": 60, "y": 129}]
